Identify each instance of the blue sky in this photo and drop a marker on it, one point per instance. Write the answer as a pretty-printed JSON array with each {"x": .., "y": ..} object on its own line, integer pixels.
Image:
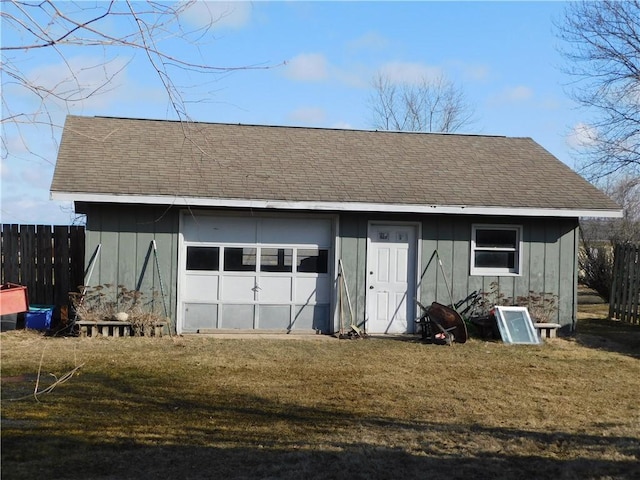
[{"x": 503, "y": 54}]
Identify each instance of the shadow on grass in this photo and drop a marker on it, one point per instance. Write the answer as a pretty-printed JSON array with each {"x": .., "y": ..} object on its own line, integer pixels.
[
  {"x": 118, "y": 431},
  {"x": 351, "y": 461},
  {"x": 609, "y": 335}
]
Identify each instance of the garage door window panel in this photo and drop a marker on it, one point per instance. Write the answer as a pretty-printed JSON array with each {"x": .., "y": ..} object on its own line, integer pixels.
[
  {"x": 276, "y": 259},
  {"x": 239, "y": 259},
  {"x": 203, "y": 258},
  {"x": 312, "y": 260}
]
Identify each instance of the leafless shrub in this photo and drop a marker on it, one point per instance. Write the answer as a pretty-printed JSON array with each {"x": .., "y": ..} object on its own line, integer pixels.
[
  {"x": 542, "y": 306},
  {"x": 106, "y": 303},
  {"x": 596, "y": 268}
]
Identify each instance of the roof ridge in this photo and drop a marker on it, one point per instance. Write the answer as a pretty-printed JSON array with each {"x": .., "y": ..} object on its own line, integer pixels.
[{"x": 299, "y": 127}]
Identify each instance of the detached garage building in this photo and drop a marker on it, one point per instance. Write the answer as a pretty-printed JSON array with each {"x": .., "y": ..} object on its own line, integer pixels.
[{"x": 249, "y": 224}]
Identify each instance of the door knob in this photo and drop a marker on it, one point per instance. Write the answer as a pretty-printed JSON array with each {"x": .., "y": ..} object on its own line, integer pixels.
[{"x": 371, "y": 287}]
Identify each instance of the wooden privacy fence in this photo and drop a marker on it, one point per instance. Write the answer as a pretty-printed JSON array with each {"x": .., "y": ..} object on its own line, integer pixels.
[
  {"x": 48, "y": 260},
  {"x": 625, "y": 288}
]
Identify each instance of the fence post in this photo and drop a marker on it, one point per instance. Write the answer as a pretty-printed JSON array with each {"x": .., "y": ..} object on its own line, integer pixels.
[
  {"x": 614, "y": 283},
  {"x": 634, "y": 284},
  {"x": 10, "y": 254},
  {"x": 61, "y": 265},
  {"x": 625, "y": 287}
]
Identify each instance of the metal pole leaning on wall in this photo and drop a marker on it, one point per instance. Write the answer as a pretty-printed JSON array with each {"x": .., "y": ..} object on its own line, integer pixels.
[
  {"x": 87, "y": 278},
  {"x": 164, "y": 303},
  {"x": 444, "y": 274},
  {"x": 346, "y": 290},
  {"x": 92, "y": 264}
]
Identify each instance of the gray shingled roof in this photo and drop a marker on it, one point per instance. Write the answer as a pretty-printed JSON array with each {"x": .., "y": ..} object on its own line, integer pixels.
[{"x": 118, "y": 156}]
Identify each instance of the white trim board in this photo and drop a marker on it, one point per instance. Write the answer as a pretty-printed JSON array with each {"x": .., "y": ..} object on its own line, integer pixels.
[{"x": 333, "y": 206}]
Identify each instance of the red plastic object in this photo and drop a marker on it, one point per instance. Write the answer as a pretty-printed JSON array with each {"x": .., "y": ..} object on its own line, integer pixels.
[{"x": 13, "y": 298}]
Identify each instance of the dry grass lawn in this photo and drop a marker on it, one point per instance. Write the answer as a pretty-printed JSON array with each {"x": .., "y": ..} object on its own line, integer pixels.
[{"x": 202, "y": 407}]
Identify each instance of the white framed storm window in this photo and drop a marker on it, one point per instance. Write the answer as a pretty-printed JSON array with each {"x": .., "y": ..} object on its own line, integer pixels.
[
  {"x": 496, "y": 250},
  {"x": 516, "y": 326}
]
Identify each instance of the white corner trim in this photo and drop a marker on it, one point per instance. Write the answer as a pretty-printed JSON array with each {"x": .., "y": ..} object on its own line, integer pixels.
[{"x": 332, "y": 206}]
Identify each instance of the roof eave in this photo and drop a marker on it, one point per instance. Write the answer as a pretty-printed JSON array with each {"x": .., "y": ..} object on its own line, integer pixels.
[{"x": 334, "y": 206}]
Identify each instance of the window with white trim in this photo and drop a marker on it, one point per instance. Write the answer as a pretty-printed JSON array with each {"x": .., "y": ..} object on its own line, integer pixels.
[{"x": 496, "y": 249}]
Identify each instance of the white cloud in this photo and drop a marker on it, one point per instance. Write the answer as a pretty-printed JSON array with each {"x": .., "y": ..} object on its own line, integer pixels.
[
  {"x": 550, "y": 103},
  {"x": 37, "y": 177},
  {"x": 12, "y": 142},
  {"x": 5, "y": 171},
  {"x": 581, "y": 135},
  {"x": 476, "y": 72},
  {"x": 218, "y": 14},
  {"x": 517, "y": 94},
  {"x": 314, "y": 67},
  {"x": 307, "y": 67},
  {"x": 511, "y": 95},
  {"x": 409, "y": 72},
  {"x": 308, "y": 116},
  {"x": 356, "y": 77},
  {"x": 369, "y": 41},
  {"x": 89, "y": 81},
  {"x": 35, "y": 208}
]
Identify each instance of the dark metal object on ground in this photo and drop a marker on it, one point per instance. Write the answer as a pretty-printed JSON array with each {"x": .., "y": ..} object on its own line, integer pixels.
[
  {"x": 486, "y": 326},
  {"x": 441, "y": 324}
]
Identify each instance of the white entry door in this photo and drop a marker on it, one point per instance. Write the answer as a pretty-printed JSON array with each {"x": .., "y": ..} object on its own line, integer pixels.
[{"x": 391, "y": 278}]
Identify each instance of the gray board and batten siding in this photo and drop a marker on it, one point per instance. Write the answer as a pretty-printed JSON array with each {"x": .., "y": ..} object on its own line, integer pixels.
[
  {"x": 549, "y": 256},
  {"x": 126, "y": 257}
]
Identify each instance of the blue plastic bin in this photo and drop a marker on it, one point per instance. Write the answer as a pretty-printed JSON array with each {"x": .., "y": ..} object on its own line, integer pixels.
[{"x": 38, "y": 317}]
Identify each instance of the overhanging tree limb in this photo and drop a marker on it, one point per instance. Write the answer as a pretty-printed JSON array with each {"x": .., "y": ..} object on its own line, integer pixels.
[
  {"x": 602, "y": 46},
  {"x": 114, "y": 30}
]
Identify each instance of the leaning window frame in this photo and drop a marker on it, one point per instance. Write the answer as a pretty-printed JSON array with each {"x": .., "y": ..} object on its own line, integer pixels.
[
  {"x": 496, "y": 271},
  {"x": 516, "y": 330}
]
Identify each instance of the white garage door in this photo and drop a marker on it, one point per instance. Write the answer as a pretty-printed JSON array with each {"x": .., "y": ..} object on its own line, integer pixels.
[{"x": 255, "y": 273}]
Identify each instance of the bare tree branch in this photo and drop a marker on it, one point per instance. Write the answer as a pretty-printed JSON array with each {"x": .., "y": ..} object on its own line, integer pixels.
[
  {"x": 602, "y": 46},
  {"x": 430, "y": 105},
  {"x": 142, "y": 27}
]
